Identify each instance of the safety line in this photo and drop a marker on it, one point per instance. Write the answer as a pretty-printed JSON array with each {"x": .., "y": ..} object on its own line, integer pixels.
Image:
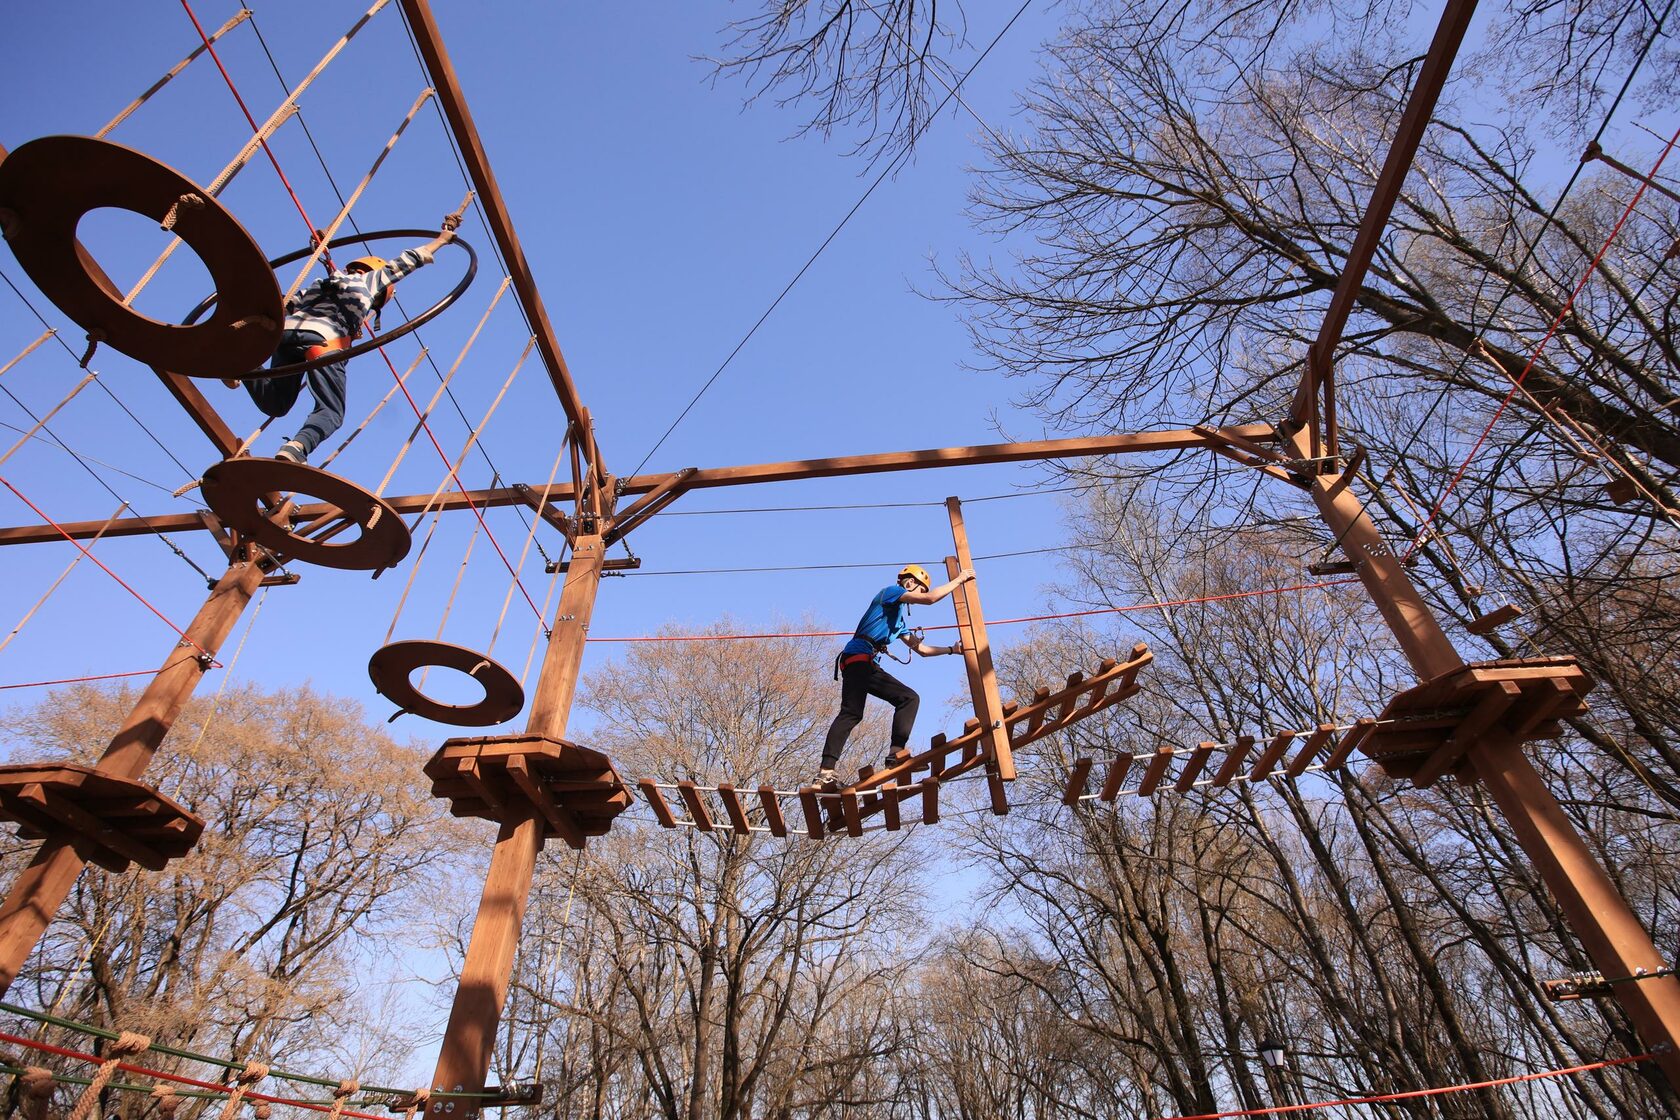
[
  {"x": 1416, "y": 1093},
  {"x": 1163, "y": 605},
  {"x": 835, "y": 567},
  {"x": 892, "y": 164},
  {"x": 62, "y": 576},
  {"x": 38, "y": 512},
  {"x": 80, "y": 680},
  {"x": 1557, "y": 321}
]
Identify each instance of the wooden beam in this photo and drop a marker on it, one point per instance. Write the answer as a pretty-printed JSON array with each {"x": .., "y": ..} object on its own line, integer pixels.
[
  {"x": 696, "y": 807},
  {"x": 1234, "y": 759},
  {"x": 1309, "y": 750},
  {"x": 1077, "y": 778},
  {"x": 704, "y": 478},
  {"x": 977, "y": 649},
  {"x": 1115, "y": 778},
  {"x": 656, "y": 801},
  {"x": 1156, "y": 769},
  {"x": 732, "y": 807},
  {"x": 1193, "y": 767},
  {"x": 772, "y": 807},
  {"x": 813, "y": 812}
]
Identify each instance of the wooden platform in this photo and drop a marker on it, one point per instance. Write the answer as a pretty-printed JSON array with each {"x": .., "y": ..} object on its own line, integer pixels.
[
  {"x": 1426, "y": 731},
  {"x": 111, "y": 821},
  {"x": 574, "y": 789}
]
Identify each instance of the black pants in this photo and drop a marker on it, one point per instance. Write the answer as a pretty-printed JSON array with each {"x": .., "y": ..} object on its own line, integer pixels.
[{"x": 858, "y": 681}]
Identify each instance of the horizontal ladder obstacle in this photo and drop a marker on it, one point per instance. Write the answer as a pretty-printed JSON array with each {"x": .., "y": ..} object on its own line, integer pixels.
[{"x": 817, "y": 812}]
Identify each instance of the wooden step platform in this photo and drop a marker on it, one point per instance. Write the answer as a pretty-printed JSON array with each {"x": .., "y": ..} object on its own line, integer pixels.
[
  {"x": 1426, "y": 731},
  {"x": 497, "y": 777},
  {"x": 111, "y": 821}
]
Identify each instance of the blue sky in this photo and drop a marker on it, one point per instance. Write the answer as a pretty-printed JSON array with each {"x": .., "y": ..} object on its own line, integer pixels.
[{"x": 661, "y": 217}]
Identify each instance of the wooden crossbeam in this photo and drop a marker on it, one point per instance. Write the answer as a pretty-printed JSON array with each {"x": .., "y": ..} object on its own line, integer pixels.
[
  {"x": 1492, "y": 705},
  {"x": 772, "y": 807},
  {"x": 696, "y": 807},
  {"x": 977, "y": 652},
  {"x": 1268, "y": 760},
  {"x": 1309, "y": 750},
  {"x": 656, "y": 802},
  {"x": 90, "y": 828},
  {"x": 1077, "y": 778},
  {"x": 1193, "y": 767},
  {"x": 1116, "y": 776},
  {"x": 732, "y": 806}
]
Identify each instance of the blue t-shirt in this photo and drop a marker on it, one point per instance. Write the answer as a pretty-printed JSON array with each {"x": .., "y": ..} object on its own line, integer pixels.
[{"x": 880, "y": 624}]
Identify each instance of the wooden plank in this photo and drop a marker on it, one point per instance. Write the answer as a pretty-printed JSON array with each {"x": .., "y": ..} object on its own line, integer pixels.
[
  {"x": 1156, "y": 769},
  {"x": 998, "y": 791},
  {"x": 1556, "y": 695},
  {"x": 1078, "y": 776},
  {"x": 889, "y": 803},
  {"x": 656, "y": 801},
  {"x": 1309, "y": 750},
  {"x": 772, "y": 806},
  {"x": 977, "y": 649},
  {"x": 1193, "y": 767},
  {"x": 813, "y": 812},
  {"x": 732, "y": 806},
  {"x": 1354, "y": 736},
  {"x": 930, "y": 800},
  {"x": 469, "y": 771},
  {"x": 1493, "y": 704},
  {"x": 1139, "y": 658},
  {"x": 1117, "y": 770},
  {"x": 1268, "y": 760},
  {"x": 849, "y": 810},
  {"x": 1494, "y": 619},
  {"x": 1234, "y": 758},
  {"x": 936, "y": 754},
  {"x": 696, "y": 807},
  {"x": 1067, "y": 695}
]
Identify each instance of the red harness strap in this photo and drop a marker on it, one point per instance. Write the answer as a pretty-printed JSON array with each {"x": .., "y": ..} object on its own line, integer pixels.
[
  {"x": 325, "y": 348},
  {"x": 855, "y": 658}
]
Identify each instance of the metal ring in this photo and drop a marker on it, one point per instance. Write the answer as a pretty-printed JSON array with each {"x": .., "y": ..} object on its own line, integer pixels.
[
  {"x": 392, "y": 666},
  {"x": 235, "y": 488},
  {"x": 373, "y": 343},
  {"x": 50, "y": 183}
]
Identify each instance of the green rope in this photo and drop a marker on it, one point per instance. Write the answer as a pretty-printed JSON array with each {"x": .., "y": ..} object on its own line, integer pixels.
[{"x": 188, "y": 1055}]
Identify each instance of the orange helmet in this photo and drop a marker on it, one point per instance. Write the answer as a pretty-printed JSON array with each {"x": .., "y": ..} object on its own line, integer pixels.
[
  {"x": 369, "y": 264},
  {"x": 916, "y": 572}
]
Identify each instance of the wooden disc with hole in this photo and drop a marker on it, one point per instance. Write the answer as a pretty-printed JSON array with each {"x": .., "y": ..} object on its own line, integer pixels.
[
  {"x": 234, "y": 490},
  {"x": 392, "y": 668},
  {"x": 48, "y": 184}
]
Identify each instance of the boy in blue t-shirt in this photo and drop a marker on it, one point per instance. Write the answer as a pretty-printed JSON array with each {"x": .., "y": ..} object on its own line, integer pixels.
[{"x": 861, "y": 675}]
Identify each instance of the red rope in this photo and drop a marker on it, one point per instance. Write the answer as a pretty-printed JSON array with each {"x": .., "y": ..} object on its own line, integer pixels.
[
  {"x": 1563, "y": 313},
  {"x": 494, "y": 543},
  {"x": 79, "y": 680},
  {"x": 1466, "y": 1087},
  {"x": 61, "y": 530},
  {"x": 49, "y": 1048},
  {"x": 1163, "y": 605}
]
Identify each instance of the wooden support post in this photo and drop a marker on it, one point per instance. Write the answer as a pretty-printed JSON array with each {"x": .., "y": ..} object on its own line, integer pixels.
[
  {"x": 37, "y": 894},
  {"x": 977, "y": 650},
  {"x": 1596, "y": 911},
  {"x": 464, "y": 1059}
]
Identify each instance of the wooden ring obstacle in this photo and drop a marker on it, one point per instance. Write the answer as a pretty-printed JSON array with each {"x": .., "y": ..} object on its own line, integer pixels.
[
  {"x": 256, "y": 370},
  {"x": 235, "y": 490},
  {"x": 392, "y": 667},
  {"x": 48, "y": 184}
]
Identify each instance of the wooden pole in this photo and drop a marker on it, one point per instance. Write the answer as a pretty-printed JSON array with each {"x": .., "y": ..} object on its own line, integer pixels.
[
  {"x": 33, "y": 900},
  {"x": 464, "y": 1060},
  {"x": 1613, "y": 937},
  {"x": 977, "y": 652}
]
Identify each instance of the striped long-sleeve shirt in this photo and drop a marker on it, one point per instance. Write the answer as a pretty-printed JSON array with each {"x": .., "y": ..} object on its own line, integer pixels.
[{"x": 336, "y": 305}]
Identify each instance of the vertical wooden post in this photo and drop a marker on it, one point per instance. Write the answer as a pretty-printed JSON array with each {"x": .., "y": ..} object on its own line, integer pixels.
[
  {"x": 464, "y": 1059},
  {"x": 33, "y": 900},
  {"x": 1600, "y": 917},
  {"x": 977, "y": 651}
]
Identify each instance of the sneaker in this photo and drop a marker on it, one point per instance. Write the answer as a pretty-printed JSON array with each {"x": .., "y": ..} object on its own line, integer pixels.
[
  {"x": 292, "y": 451},
  {"x": 231, "y": 382},
  {"x": 827, "y": 781},
  {"x": 895, "y": 757}
]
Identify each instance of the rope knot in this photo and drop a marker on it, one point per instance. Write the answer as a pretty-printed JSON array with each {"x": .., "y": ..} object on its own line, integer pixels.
[
  {"x": 37, "y": 1092},
  {"x": 262, "y": 1110},
  {"x": 348, "y": 1086},
  {"x": 416, "y": 1103},
  {"x": 129, "y": 1043},
  {"x": 188, "y": 201},
  {"x": 167, "y": 1102},
  {"x": 252, "y": 1073}
]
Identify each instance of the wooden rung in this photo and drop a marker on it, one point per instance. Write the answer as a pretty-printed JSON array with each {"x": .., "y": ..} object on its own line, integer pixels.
[
  {"x": 732, "y": 805},
  {"x": 772, "y": 811},
  {"x": 1077, "y": 778},
  {"x": 813, "y": 812},
  {"x": 1494, "y": 619},
  {"x": 1621, "y": 490},
  {"x": 1268, "y": 760},
  {"x": 1309, "y": 750},
  {"x": 1234, "y": 759},
  {"x": 1038, "y": 707},
  {"x": 849, "y": 810},
  {"x": 930, "y": 800},
  {"x": 1193, "y": 767},
  {"x": 1351, "y": 739},
  {"x": 1117, "y": 770},
  {"x": 1157, "y": 768},
  {"x": 656, "y": 802},
  {"x": 1139, "y": 658},
  {"x": 1093, "y": 700},
  {"x": 936, "y": 753},
  {"x": 889, "y": 806},
  {"x": 1063, "y": 709},
  {"x": 696, "y": 807}
]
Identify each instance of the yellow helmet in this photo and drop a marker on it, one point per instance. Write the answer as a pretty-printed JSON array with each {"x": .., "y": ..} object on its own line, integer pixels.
[
  {"x": 372, "y": 264},
  {"x": 916, "y": 572}
]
